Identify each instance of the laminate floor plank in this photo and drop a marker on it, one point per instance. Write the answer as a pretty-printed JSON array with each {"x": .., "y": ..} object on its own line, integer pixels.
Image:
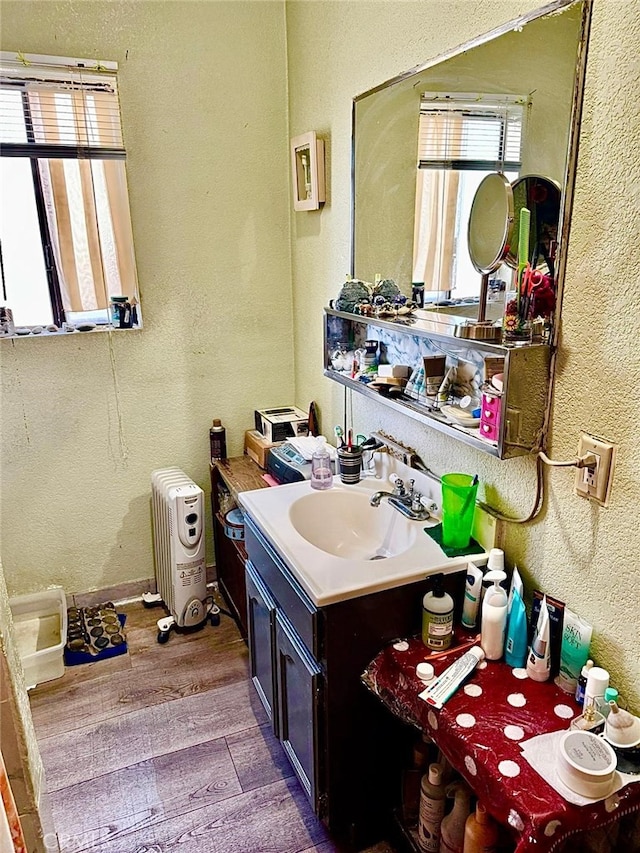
[
  {"x": 273, "y": 819},
  {"x": 167, "y": 749},
  {"x": 86, "y": 753},
  {"x": 137, "y": 797},
  {"x": 67, "y": 707},
  {"x": 258, "y": 757}
]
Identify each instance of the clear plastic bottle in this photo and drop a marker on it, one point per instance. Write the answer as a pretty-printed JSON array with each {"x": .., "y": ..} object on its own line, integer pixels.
[
  {"x": 432, "y": 803},
  {"x": 321, "y": 473},
  {"x": 218, "y": 440}
]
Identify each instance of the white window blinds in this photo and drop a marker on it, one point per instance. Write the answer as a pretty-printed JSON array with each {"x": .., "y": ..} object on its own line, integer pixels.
[
  {"x": 469, "y": 131},
  {"x": 62, "y": 108}
]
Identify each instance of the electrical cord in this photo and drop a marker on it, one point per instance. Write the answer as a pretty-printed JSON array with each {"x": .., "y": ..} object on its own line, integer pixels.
[{"x": 587, "y": 461}]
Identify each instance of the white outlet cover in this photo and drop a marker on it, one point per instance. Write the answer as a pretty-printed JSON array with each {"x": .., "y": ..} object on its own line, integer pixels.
[{"x": 598, "y": 487}]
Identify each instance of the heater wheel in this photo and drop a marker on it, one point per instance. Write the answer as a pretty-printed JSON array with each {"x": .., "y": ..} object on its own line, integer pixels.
[{"x": 163, "y": 636}]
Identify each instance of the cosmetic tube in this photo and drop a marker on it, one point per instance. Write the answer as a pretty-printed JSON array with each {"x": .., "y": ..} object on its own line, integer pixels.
[
  {"x": 446, "y": 684},
  {"x": 472, "y": 594},
  {"x": 538, "y": 660},
  {"x": 515, "y": 647}
]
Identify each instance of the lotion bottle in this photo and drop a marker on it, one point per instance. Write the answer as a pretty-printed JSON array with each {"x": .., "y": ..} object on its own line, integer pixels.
[
  {"x": 494, "y": 616},
  {"x": 516, "y": 644},
  {"x": 538, "y": 659},
  {"x": 432, "y": 803},
  {"x": 437, "y": 616}
]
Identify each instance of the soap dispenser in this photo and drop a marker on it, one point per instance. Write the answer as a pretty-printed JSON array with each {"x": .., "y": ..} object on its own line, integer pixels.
[
  {"x": 494, "y": 616},
  {"x": 321, "y": 473}
]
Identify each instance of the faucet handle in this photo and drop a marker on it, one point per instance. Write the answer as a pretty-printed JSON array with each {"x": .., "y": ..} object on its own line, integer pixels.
[
  {"x": 398, "y": 485},
  {"x": 429, "y": 504}
]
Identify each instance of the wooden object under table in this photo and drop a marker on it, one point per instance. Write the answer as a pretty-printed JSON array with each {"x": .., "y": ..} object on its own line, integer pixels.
[
  {"x": 228, "y": 478},
  {"x": 479, "y": 731}
]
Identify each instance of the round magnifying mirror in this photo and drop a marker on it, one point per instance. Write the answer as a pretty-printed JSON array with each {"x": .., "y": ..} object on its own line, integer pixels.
[
  {"x": 490, "y": 223},
  {"x": 541, "y": 196}
]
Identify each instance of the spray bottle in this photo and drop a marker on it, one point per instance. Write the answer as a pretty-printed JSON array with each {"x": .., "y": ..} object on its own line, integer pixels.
[{"x": 452, "y": 827}]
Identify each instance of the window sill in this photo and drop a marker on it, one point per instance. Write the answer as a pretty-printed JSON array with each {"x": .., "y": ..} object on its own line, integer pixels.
[{"x": 66, "y": 334}]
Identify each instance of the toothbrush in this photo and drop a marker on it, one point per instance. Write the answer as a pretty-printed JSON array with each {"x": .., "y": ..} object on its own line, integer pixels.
[{"x": 338, "y": 434}]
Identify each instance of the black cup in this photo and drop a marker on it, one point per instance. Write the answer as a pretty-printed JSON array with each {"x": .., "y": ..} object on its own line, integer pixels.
[{"x": 350, "y": 464}]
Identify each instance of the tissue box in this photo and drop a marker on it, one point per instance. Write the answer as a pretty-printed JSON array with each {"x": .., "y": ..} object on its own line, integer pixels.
[{"x": 395, "y": 371}]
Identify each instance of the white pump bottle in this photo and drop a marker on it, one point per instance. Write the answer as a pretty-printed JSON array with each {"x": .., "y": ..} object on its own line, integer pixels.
[{"x": 494, "y": 616}]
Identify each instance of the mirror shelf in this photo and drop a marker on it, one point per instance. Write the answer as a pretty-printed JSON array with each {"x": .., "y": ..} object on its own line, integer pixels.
[{"x": 522, "y": 402}]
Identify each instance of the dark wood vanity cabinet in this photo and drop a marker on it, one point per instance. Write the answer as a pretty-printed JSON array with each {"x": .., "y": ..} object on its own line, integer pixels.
[
  {"x": 228, "y": 477},
  {"x": 306, "y": 663}
]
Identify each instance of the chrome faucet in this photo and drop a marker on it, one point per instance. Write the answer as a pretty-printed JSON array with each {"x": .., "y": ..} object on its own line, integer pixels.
[{"x": 410, "y": 503}]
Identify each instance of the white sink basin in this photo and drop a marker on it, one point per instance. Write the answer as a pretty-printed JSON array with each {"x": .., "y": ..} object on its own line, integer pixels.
[
  {"x": 338, "y": 546},
  {"x": 346, "y": 525}
]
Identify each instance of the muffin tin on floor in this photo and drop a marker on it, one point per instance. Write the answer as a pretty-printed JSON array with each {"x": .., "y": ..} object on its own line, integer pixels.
[{"x": 94, "y": 633}]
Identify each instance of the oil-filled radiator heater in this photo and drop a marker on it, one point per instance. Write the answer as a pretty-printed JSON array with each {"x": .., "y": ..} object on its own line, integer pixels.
[{"x": 177, "y": 509}]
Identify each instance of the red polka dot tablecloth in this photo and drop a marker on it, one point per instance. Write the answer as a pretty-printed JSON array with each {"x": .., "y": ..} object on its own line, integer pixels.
[{"x": 480, "y": 730}]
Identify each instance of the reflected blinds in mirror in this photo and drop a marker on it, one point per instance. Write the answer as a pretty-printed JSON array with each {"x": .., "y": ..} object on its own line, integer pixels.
[{"x": 469, "y": 131}]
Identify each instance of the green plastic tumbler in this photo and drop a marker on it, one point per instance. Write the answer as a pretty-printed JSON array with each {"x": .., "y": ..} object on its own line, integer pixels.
[{"x": 458, "y": 506}]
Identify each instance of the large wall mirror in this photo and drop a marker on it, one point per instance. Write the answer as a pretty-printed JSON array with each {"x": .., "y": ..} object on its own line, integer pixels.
[{"x": 424, "y": 141}]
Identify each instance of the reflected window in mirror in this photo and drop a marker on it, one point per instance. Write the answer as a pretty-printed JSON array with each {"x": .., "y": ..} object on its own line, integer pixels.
[
  {"x": 461, "y": 139},
  {"x": 65, "y": 227}
]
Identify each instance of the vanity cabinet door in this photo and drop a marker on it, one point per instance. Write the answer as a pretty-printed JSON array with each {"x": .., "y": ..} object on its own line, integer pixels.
[
  {"x": 299, "y": 685},
  {"x": 261, "y": 618}
]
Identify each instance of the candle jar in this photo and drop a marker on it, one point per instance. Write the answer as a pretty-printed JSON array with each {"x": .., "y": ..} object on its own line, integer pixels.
[{"x": 516, "y": 332}]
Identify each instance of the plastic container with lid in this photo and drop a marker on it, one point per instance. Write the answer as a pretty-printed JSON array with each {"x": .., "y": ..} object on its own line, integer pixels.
[
  {"x": 586, "y": 764},
  {"x": 40, "y": 623}
]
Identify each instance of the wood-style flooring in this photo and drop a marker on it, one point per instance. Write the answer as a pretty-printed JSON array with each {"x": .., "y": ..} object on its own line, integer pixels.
[{"x": 167, "y": 749}]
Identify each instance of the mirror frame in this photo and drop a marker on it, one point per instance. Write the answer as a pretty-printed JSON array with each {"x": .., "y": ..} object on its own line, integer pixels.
[{"x": 566, "y": 204}]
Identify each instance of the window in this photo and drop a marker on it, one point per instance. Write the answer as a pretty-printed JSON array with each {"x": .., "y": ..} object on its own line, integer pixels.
[
  {"x": 461, "y": 139},
  {"x": 66, "y": 243}
]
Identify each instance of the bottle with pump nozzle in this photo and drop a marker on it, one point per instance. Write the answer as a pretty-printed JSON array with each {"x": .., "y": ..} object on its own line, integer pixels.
[
  {"x": 218, "y": 440},
  {"x": 432, "y": 803},
  {"x": 321, "y": 472},
  {"x": 437, "y": 616},
  {"x": 494, "y": 616}
]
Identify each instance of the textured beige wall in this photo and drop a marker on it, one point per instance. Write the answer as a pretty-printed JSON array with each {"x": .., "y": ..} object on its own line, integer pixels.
[
  {"x": 17, "y": 735},
  {"x": 585, "y": 555},
  {"x": 86, "y": 419}
]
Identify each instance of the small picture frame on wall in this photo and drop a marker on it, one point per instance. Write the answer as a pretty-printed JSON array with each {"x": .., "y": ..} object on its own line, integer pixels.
[{"x": 307, "y": 171}]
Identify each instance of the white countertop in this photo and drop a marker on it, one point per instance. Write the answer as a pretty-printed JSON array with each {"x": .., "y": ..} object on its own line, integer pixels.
[{"x": 328, "y": 578}]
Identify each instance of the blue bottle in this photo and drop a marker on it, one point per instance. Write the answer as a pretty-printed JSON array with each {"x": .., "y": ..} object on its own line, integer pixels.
[{"x": 515, "y": 647}]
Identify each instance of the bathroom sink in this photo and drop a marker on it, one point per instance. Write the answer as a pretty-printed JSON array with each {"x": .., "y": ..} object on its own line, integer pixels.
[
  {"x": 344, "y": 523},
  {"x": 337, "y": 546}
]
